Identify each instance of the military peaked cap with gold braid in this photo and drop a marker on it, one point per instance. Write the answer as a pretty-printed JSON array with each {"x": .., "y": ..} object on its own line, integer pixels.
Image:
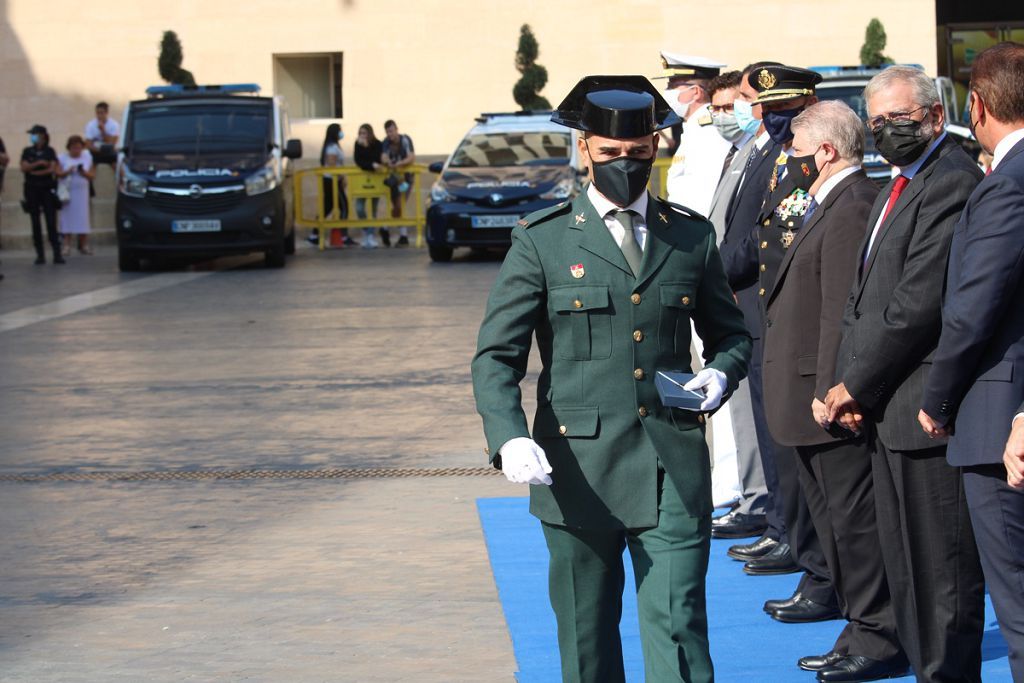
[{"x": 778, "y": 82}]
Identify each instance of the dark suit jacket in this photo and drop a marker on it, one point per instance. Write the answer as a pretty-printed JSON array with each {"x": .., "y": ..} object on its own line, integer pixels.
[
  {"x": 805, "y": 310},
  {"x": 893, "y": 316},
  {"x": 978, "y": 371},
  {"x": 739, "y": 247}
]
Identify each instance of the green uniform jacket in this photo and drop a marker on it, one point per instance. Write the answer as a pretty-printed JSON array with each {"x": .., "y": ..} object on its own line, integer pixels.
[{"x": 602, "y": 334}]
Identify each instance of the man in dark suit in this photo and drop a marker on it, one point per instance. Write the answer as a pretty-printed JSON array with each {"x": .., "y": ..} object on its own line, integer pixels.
[
  {"x": 977, "y": 379},
  {"x": 801, "y": 340},
  {"x": 891, "y": 327}
]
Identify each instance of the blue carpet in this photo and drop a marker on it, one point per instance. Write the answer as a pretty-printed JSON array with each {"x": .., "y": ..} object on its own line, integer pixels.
[{"x": 746, "y": 645}]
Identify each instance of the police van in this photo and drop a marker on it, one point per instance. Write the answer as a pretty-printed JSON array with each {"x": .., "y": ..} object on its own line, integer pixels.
[{"x": 205, "y": 170}]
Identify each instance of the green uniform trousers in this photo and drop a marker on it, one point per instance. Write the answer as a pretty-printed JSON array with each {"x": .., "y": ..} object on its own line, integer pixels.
[{"x": 586, "y": 579}]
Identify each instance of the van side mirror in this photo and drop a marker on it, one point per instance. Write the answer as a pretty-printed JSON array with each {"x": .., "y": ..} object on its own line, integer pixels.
[
  {"x": 436, "y": 167},
  {"x": 293, "y": 149}
]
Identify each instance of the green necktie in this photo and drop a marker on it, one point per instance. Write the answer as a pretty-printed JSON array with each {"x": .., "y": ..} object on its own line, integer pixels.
[{"x": 629, "y": 246}]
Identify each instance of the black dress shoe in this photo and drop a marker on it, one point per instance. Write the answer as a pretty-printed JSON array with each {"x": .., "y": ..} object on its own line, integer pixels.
[
  {"x": 749, "y": 551},
  {"x": 805, "y": 611},
  {"x": 772, "y": 605},
  {"x": 738, "y": 525},
  {"x": 778, "y": 561},
  {"x": 857, "y": 668},
  {"x": 819, "y": 662}
]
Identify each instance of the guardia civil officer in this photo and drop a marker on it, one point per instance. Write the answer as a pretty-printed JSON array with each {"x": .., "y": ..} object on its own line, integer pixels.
[{"x": 608, "y": 284}]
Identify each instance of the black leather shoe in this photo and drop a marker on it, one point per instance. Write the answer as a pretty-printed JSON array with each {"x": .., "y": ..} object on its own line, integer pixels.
[
  {"x": 804, "y": 611},
  {"x": 857, "y": 668},
  {"x": 772, "y": 605},
  {"x": 819, "y": 662},
  {"x": 738, "y": 525},
  {"x": 778, "y": 561},
  {"x": 749, "y": 551}
]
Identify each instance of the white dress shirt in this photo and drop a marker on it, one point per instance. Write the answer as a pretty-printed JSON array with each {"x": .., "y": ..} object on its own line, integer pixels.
[
  {"x": 1005, "y": 145},
  {"x": 830, "y": 184},
  {"x": 606, "y": 209}
]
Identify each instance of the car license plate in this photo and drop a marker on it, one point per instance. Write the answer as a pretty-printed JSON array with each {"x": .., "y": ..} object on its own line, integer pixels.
[
  {"x": 195, "y": 226},
  {"x": 494, "y": 221}
]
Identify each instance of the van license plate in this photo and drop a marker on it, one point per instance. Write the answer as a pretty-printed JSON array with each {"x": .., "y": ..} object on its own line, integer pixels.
[
  {"x": 195, "y": 226},
  {"x": 494, "y": 221}
]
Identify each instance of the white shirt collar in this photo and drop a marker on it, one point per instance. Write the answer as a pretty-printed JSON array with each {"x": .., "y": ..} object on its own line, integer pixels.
[
  {"x": 1005, "y": 145},
  {"x": 762, "y": 140},
  {"x": 603, "y": 205},
  {"x": 911, "y": 170},
  {"x": 830, "y": 184}
]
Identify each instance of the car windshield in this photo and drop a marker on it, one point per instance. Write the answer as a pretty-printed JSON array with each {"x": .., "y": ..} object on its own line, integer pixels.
[
  {"x": 512, "y": 149},
  {"x": 195, "y": 130},
  {"x": 852, "y": 95}
]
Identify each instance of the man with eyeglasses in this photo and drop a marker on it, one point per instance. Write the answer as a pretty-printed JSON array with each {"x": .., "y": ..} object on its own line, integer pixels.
[
  {"x": 891, "y": 328},
  {"x": 697, "y": 163}
]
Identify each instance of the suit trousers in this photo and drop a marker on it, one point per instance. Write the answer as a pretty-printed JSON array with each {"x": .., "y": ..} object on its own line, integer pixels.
[
  {"x": 836, "y": 480},
  {"x": 931, "y": 562},
  {"x": 43, "y": 200},
  {"x": 765, "y": 445},
  {"x": 997, "y": 516},
  {"x": 753, "y": 491},
  {"x": 586, "y": 579}
]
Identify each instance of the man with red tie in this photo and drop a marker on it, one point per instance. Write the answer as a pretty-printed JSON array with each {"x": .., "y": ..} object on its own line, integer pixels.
[{"x": 891, "y": 327}]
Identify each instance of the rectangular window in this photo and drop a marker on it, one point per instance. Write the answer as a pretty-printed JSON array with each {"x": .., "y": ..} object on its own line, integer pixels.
[{"x": 310, "y": 84}]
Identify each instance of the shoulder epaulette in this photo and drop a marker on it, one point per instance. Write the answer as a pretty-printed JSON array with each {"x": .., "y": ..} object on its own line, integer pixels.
[
  {"x": 679, "y": 208},
  {"x": 538, "y": 216}
]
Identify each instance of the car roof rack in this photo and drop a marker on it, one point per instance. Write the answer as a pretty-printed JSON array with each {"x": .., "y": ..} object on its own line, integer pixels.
[
  {"x": 160, "y": 91},
  {"x": 484, "y": 117}
]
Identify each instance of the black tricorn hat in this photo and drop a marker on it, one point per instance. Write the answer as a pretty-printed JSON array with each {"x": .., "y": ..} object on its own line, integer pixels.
[
  {"x": 615, "y": 107},
  {"x": 775, "y": 82}
]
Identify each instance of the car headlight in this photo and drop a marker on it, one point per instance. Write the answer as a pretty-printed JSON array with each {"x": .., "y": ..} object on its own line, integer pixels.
[
  {"x": 130, "y": 184},
  {"x": 263, "y": 180},
  {"x": 561, "y": 190},
  {"x": 439, "y": 193}
]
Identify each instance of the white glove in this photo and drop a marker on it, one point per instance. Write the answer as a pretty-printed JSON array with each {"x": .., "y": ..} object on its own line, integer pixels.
[
  {"x": 713, "y": 383},
  {"x": 524, "y": 462}
]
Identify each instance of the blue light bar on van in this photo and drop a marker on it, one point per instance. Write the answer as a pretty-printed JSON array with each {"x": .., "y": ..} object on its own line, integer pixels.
[{"x": 183, "y": 90}]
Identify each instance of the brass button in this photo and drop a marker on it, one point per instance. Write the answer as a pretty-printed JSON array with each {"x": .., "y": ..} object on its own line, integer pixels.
[
  {"x": 638, "y": 336},
  {"x": 763, "y": 267},
  {"x": 487, "y": 451},
  {"x": 766, "y": 222},
  {"x": 577, "y": 303},
  {"x": 635, "y": 298},
  {"x": 760, "y": 292},
  {"x": 764, "y": 245},
  {"x": 701, "y": 418},
  {"x": 685, "y": 300},
  {"x": 791, "y": 224},
  {"x": 638, "y": 373},
  {"x": 562, "y": 430},
  {"x": 643, "y": 411}
]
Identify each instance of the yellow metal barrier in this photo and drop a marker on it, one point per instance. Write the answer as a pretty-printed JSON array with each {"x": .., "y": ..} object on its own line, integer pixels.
[{"x": 357, "y": 184}]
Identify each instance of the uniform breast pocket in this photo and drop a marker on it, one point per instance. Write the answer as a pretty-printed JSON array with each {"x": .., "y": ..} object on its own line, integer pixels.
[
  {"x": 581, "y": 322},
  {"x": 678, "y": 300}
]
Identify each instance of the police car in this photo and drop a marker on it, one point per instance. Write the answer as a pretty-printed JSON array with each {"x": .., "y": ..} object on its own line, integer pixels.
[
  {"x": 847, "y": 83},
  {"x": 507, "y": 165}
]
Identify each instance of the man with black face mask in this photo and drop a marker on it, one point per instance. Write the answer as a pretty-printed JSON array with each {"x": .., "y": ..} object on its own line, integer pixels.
[
  {"x": 609, "y": 283},
  {"x": 891, "y": 327}
]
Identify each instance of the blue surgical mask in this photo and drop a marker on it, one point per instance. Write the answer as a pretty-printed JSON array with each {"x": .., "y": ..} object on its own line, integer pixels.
[
  {"x": 33, "y": 138},
  {"x": 744, "y": 112}
]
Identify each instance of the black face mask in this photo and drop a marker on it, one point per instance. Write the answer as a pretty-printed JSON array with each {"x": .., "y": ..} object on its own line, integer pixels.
[
  {"x": 802, "y": 171},
  {"x": 622, "y": 179},
  {"x": 902, "y": 142},
  {"x": 777, "y": 124}
]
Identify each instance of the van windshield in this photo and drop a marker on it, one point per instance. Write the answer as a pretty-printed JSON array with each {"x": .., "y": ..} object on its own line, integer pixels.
[{"x": 198, "y": 130}]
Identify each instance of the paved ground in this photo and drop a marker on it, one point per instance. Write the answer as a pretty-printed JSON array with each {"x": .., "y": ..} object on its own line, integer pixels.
[{"x": 347, "y": 359}]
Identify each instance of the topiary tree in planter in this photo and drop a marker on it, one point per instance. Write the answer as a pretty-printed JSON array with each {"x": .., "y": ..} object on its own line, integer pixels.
[{"x": 526, "y": 91}]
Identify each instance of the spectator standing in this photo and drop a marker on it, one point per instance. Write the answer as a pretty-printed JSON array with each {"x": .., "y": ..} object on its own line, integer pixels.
[
  {"x": 331, "y": 155},
  {"x": 39, "y": 164},
  {"x": 367, "y": 155},
  {"x": 76, "y": 169},
  {"x": 101, "y": 135},
  {"x": 397, "y": 153}
]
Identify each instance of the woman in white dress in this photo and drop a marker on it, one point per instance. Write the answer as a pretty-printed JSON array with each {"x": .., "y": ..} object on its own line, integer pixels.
[{"x": 75, "y": 171}]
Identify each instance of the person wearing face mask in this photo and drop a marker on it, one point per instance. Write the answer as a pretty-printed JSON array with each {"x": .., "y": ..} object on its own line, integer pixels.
[
  {"x": 39, "y": 164},
  {"x": 976, "y": 382},
  {"x": 804, "y": 310},
  {"x": 891, "y": 327},
  {"x": 697, "y": 163},
  {"x": 608, "y": 283}
]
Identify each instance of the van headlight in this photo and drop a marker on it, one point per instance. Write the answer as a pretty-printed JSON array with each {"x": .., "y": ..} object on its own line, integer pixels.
[
  {"x": 130, "y": 184},
  {"x": 440, "y": 193},
  {"x": 263, "y": 180},
  {"x": 561, "y": 190}
]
